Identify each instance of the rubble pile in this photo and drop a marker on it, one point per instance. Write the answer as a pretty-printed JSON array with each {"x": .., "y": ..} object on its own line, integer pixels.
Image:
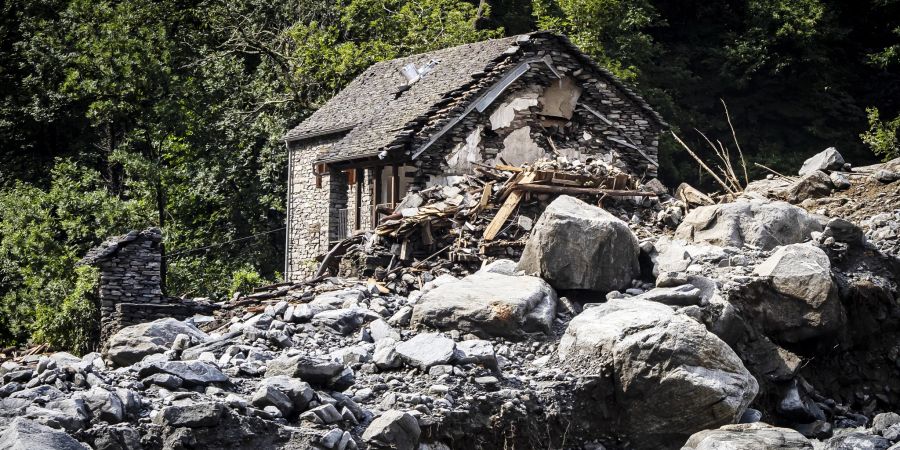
[
  {"x": 455, "y": 228},
  {"x": 651, "y": 323}
]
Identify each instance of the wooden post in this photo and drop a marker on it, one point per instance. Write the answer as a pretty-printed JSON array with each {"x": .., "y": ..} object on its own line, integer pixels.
[
  {"x": 395, "y": 185},
  {"x": 359, "y": 187},
  {"x": 376, "y": 195}
]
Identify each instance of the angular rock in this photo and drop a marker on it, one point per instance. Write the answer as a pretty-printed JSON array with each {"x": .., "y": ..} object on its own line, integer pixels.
[
  {"x": 426, "y": 350},
  {"x": 844, "y": 231},
  {"x": 883, "y": 421},
  {"x": 193, "y": 415},
  {"x": 857, "y": 441},
  {"x": 25, "y": 434},
  {"x": 268, "y": 395},
  {"x": 386, "y": 356},
  {"x": 324, "y": 414},
  {"x": 192, "y": 373},
  {"x": 805, "y": 304},
  {"x": 670, "y": 377},
  {"x": 828, "y": 159},
  {"x": 749, "y": 436},
  {"x": 683, "y": 295},
  {"x": 816, "y": 184},
  {"x": 762, "y": 224},
  {"x": 692, "y": 196},
  {"x": 70, "y": 414},
  {"x": 575, "y": 245},
  {"x": 314, "y": 371},
  {"x": 343, "y": 320},
  {"x": 476, "y": 351},
  {"x": 104, "y": 405},
  {"x": 40, "y": 394},
  {"x": 299, "y": 392},
  {"x": 393, "y": 429},
  {"x": 489, "y": 304},
  {"x": 131, "y": 344},
  {"x": 840, "y": 181}
]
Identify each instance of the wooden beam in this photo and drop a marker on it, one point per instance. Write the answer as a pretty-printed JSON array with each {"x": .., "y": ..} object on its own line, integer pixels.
[
  {"x": 549, "y": 189},
  {"x": 359, "y": 188},
  {"x": 508, "y": 206},
  {"x": 376, "y": 194},
  {"x": 395, "y": 185}
]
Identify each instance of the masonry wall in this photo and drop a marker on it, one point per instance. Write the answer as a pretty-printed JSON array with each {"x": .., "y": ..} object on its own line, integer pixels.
[
  {"x": 312, "y": 218},
  {"x": 130, "y": 283}
]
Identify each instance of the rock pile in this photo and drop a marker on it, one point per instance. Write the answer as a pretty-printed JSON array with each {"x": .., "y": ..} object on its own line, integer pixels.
[{"x": 642, "y": 325}]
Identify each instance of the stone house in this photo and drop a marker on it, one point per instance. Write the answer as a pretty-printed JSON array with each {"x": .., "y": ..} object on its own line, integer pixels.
[{"x": 413, "y": 122}]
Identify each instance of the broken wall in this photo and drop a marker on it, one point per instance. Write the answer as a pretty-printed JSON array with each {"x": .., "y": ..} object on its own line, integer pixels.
[
  {"x": 312, "y": 211},
  {"x": 580, "y": 114}
]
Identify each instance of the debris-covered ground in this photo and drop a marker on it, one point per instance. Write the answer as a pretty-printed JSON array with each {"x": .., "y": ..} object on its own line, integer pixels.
[{"x": 656, "y": 321}]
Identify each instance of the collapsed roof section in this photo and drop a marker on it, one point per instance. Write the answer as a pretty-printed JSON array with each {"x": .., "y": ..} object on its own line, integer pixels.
[{"x": 387, "y": 104}]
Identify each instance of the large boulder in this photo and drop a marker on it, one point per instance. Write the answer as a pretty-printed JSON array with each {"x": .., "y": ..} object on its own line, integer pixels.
[
  {"x": 193, "y": 373},
  {"x": 668, "y": 376},
  {"x": 796, "y": 298},
  {"x": 131, "y": 344},
  {"x": 426, "y": 350},
  {"x": 815, "y": 184},
  {"x": 578, "y": 246},
  {"x": 393, "y": 429},
  {"x": 25, "y": 434},
  {"x": 490, "y": 304},
  {"x": 760, "y": 223},
  {"x": 828, "y": 159},
  {"x": 748, "y": 436},
  {"x": 190, "y": 415}
]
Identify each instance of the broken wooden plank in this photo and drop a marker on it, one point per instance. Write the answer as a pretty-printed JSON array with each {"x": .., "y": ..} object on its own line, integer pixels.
[
  {"x": 543, "y": 188},
  {"x": 508, "y": 206}
]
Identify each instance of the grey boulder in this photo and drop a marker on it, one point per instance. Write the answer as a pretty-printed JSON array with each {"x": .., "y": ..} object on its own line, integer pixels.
[
  {"x": 426, "y": 350},
  {"x": 192, "y": 373},
  {"x": 670, "y": 377},
  {"x": 104, "y": 405},
  {"x": 816, "y": 184},
  {"x": 25, "y": 434},
  {"x": 191, "y": 415},
  {"x": 489, "y": 304},
  {"x": 857, "y": 441},
  {"x": 748, "y": 436},
  {"x": 393, "y": 429},
  {"x": 799, "y": 299},
  {"x": 575, "y": 245},
  {"x": 683, "y": 295},
  {"x": 828, "y": 159},
  {"x": 762, "y": 224},
  {"x": 131, "y": 344},
  {"x": 311, "y": 370}
]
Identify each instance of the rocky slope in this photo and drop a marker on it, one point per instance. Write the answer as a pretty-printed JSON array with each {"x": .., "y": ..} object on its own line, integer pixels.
[{"x": 752, "y": 324}]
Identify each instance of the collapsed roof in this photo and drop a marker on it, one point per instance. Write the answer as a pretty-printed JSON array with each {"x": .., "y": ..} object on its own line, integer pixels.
[{"x": 379, "y": 108}]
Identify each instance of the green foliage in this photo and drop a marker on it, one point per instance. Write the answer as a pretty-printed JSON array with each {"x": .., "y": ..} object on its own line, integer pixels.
[
  {"x": 72, "y": 324},
  {"x": 43, "y": 233},
  {"x": 245, "y": 280},
  {"x": 883, "y": 137},
  {"x": 119, "y": 114},
  {"x": 613, "y": 31}
]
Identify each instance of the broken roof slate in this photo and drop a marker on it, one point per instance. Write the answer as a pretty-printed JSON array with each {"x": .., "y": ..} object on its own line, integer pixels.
[{"x": 371, "y": 113}]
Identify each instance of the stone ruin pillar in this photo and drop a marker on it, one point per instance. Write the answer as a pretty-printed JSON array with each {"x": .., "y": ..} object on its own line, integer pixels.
[{"x": 130, "y": 288}]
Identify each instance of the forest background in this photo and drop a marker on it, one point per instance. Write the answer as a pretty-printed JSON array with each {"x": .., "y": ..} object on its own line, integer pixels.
[{"x": 123, "y": 114}]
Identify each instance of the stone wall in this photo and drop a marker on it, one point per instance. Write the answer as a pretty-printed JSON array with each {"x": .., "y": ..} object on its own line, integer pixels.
[
  {"x": 311, "y": 210},
  {"x": 130, "y": 287}
]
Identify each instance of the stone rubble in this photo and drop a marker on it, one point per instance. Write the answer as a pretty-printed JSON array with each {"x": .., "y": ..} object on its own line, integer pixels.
[{"x": 748, "y": 324}]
